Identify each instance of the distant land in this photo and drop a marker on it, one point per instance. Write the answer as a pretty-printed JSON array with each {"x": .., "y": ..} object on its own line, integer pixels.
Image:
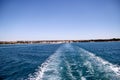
[{"x": 58, "y": 41}]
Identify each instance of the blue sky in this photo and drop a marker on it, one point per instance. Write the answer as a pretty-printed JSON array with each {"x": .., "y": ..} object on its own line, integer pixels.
[{"x": 59, "y": 19}]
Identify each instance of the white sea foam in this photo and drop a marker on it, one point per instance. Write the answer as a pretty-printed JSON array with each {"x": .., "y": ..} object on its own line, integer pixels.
[
  {"x": 83, "y": 78},
  {"x": 69, "y": 71},
  {"x": 49, "y": 70},
  {"x": 111, "y": 70},
  {"x": 68, "y": 47}
]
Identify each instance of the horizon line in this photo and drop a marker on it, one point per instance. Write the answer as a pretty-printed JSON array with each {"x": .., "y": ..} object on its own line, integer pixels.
[{"x": 60, "y": 39}]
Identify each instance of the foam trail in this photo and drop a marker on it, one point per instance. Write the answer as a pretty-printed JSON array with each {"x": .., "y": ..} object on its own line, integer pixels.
[
  {"x": 68, "y": 47},
  {"x": 69, "y": 71},
  {"x": 49, "y": 70},
  {"x": 69, "y": 60},
  {"x": 111, "y": 71},
  {"x": 83, "y": 78}
]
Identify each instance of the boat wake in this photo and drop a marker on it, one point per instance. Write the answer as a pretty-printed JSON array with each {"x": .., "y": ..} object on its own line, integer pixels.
[
  {"x": 49, "y": 70},
  {"x": 71, "y": 62},
  {"x": 100, "y": 67}
]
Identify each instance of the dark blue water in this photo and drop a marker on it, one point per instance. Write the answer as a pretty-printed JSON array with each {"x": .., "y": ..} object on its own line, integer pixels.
[{"x": 71, "y": 61}]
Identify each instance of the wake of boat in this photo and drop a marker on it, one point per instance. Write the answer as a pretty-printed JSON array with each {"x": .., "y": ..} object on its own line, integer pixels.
[
  {"x": 74, "y": 63},
  {"x": 95, "y": 63},
  {"x": 49, "y": 70}
]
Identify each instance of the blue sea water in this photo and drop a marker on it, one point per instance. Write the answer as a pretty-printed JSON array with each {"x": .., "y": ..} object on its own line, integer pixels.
[{"x": 69, "y": 61}]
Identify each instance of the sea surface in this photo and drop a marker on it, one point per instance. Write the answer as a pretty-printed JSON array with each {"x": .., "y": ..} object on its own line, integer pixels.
[{"x": 69, "y": 61}]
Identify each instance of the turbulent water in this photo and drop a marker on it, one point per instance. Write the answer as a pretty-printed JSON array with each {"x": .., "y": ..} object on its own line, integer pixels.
[{"x": 71, "y": 61}]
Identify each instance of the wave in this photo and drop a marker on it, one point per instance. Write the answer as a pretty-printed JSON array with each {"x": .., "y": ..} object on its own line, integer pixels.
[
  {"x": 75, "y": 63},
  {"x": 110, "y": 70},
  {"x": 83, "y": 78},
  {"x": 49, "y": 70}
]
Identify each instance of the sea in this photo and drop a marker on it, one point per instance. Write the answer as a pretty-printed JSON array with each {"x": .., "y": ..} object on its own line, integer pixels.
[{"x": 65, "y": 61}]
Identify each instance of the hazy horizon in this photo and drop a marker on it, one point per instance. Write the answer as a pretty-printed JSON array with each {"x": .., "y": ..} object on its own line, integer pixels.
[
  {"x": 59, "y": 19},
  {"x": 57, "y": 39}
]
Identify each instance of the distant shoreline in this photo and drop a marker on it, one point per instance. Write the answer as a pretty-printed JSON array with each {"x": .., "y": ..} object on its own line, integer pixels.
[{"x": 58, "y": 41}]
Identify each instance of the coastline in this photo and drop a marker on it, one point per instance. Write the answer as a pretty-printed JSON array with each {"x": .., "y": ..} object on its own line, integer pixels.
[{"x": 59, "y": 41}]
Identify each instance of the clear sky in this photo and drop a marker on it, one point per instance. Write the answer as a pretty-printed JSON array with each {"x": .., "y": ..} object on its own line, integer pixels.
[{"x": 59, "y": 19}]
